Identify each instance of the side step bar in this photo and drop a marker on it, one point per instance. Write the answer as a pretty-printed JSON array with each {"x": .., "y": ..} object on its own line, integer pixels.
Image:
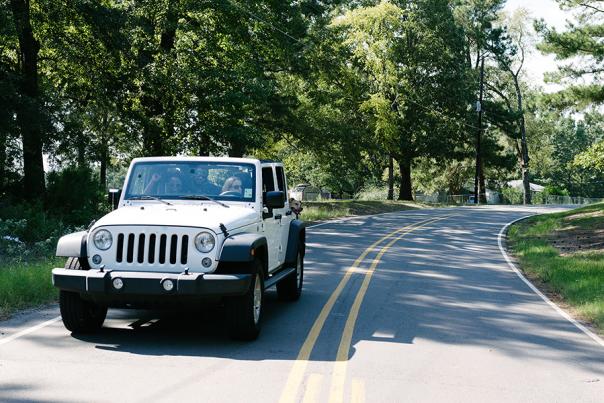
[{"x": 275, "y": 278}]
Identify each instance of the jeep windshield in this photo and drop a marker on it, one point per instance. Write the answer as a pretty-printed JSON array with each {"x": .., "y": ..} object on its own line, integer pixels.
[{"x": 192, "y": 180}]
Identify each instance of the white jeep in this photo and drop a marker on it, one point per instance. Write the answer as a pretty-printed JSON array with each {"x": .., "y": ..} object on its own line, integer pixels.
[{"x": 185, "y": 230}]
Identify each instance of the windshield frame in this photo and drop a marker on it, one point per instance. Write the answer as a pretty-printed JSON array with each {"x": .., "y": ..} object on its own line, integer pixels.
[{"x": 190, "y": 165}]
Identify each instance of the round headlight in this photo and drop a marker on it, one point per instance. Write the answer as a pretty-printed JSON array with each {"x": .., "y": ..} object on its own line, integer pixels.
[
  {"x": 102, "y": 239},
  {"x": 204, "y": 242}
]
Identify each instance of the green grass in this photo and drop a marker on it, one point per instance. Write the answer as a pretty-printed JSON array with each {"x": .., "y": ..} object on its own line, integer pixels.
[
  {"x": 324, "y": 210},
  {"x": 26, "y": 285},
  {"x": 578, "y": 277}
]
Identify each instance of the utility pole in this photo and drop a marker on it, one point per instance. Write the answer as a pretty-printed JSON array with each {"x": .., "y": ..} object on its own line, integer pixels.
[{"x": 477, "y": 190}]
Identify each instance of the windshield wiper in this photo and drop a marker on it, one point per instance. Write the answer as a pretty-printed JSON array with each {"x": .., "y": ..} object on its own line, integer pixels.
[
  {"x": 204, "y": 197},
  {"x": 147, "y": 197}
]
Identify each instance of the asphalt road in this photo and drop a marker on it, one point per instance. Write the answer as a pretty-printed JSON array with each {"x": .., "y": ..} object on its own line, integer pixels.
[{"x": 431, "y": 313}]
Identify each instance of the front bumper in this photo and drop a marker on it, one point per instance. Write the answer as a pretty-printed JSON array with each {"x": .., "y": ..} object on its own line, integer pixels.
[{"x": 150, "y": 284}]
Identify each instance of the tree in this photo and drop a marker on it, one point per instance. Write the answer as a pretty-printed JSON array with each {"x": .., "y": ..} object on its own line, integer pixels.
[
  {"x": 512, "y": 62},
  {"x": 592, "y": 158},
  {"x": 409, "y": 57},
  {"x": 580, "y": 46},
  {"x": 28, "y": 110},
  {"x": 570, "y": 139},
  {"x": 83, "y": 64},
  {"x": 483, "y": 40}
]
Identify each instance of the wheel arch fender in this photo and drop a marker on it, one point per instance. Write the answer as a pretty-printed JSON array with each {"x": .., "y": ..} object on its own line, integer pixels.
[
  {"x": 295, "y": 240},
  {"x": 73, "y": 245},
  {"x": 244, "y": 248}
]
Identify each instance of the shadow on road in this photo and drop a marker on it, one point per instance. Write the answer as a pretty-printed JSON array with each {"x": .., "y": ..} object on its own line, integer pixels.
[{"x": 451, "y": 285}]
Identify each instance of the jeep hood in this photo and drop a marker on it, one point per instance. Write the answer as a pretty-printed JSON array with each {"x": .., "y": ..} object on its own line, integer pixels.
[{"x": 205, "y": 215}]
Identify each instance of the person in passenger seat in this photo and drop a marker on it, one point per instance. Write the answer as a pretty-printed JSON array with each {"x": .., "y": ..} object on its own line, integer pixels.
[{"x": 201, "y": 184}]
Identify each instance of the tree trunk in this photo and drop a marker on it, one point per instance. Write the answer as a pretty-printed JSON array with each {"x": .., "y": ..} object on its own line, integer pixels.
[
  {"x": 81, "y": 141},
  {"x": 153, "y": 142},
  {"x": 237, "y": 149},
  {"x": 103, "y": 173},
  {"x": 203, "y": 145},
  {"x": 104, "y": 159},
  {"x": 29, "y": 116},
  {"x": 104, "y": 150},
  {"x": 482, "y": 194},
  {"x": 390, "y": 178},
  {"x": 524, "y": 165},
  {"x": 3, "y": 156},
  {"x": 405, "y": 192},
  {"x": 3, "y": 138},
  {"x": 479, "y": 174},
  {"x": 159, "y": 104}
]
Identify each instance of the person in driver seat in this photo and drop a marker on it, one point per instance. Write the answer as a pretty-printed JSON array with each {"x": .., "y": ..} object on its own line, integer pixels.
[{"x": 232, "y": 185}]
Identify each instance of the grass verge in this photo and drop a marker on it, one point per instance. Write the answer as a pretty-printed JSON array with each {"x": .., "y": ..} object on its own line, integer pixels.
[
  {"x": 26, "y": 285},
  {"x": 325, "y": 210},
  {"x": 572, "y": 274}
]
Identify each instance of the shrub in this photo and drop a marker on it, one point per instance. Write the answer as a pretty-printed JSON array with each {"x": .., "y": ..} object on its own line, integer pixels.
[
  {"x": 75, "y": 195},
  {"x": 30, "y": 230},
  {"x": 511, "y": 195},
  {"x": 555, "y": 191}
]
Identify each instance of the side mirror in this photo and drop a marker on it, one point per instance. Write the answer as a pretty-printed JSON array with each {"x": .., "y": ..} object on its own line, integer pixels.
[
  {"x": 113, "y": 197},
  {"x": 274, "y": 199}
]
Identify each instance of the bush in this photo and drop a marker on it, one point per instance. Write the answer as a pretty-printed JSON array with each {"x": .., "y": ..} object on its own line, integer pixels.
[
  {"x": 555, "y": 191},
  {"x": 30, "y": 234},
  {"x": 30, "y": 230},
  {"x": 75, "y": 195},
  {"x": 511, "y": 195},
  {"x": 539, "y": 198}
]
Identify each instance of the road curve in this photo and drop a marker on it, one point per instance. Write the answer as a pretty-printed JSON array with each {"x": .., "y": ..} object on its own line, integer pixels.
[{"x": 430, "y": 312}]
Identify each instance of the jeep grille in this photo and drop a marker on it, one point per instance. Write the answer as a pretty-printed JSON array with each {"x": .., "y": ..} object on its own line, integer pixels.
[{"x": 152, "y": 248}]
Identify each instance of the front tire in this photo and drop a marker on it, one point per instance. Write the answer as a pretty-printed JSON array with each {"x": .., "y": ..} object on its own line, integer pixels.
[
  {"x": 244, "y": 313},
  {"x": 79, "y": 315},
  {"x": 290, "y": 288}
]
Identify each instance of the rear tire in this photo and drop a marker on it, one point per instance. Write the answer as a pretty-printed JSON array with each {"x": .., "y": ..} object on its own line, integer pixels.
[
  {"x": 244, "y": 313},
  {"x": 79, "y": 315},
  {"x": 290, "y": 288}
]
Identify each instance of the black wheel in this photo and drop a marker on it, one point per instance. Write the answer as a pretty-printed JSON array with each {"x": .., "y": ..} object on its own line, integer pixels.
[
  {"x": 244, "y": 313},
  {"x": 79, "y": 315},
  {"x": 290, "y": 288}
]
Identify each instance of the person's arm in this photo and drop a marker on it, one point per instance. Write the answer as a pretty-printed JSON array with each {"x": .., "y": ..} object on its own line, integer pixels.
[{"x": 154, "y": 179}]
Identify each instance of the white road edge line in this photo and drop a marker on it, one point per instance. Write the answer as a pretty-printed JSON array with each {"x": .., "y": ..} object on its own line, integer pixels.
[
  {"x": 27, "y": 331},
  {"x": 562, "y": 313}
]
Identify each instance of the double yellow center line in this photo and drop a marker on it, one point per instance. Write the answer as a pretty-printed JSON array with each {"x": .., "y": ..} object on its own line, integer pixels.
[{"x": 296, "y": 375}]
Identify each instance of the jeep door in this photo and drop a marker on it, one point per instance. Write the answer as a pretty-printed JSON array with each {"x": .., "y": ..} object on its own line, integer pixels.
[
  {"x": 270, "y": 225},
  {"x": 285, "y": 212}
]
